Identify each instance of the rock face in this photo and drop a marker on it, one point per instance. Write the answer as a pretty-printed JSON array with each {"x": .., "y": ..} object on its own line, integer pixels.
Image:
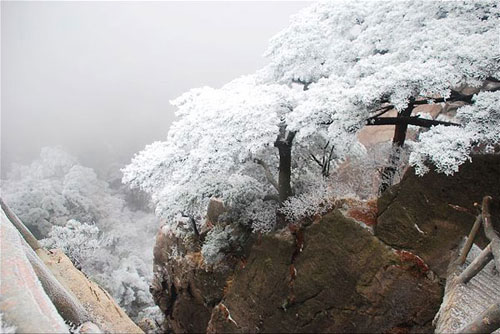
[
  {"x": 42, "y": 290},
  {"x": 429, "y": 215},
  {"x": 333, "y": 276},
  {"x": 361, "y": 268},
  {"x": 183, "y": 287},
  {"x": 97, "y": 302},
  {"x": 343, "y": 280}
]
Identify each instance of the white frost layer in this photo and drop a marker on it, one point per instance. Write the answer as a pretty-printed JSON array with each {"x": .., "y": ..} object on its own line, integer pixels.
[
  {"x": 464, "y": 302},
  {"x": 6, "y": 328},
  {"x": 23, "y": 301}
]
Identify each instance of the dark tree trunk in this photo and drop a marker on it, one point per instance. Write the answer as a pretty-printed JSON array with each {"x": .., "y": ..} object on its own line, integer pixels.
[
  {"x": 397, "y": 143},
  {"x": 284, "y": 144}
]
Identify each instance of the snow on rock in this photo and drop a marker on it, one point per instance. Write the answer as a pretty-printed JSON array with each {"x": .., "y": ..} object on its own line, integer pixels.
[
  {"x": 100, "y": 306},
  {"x": 43, "y": 289},
  {"x": 462, "y": 303},
  {"x": 22, "y": 295},
  {"x": 68, "y": 306}
]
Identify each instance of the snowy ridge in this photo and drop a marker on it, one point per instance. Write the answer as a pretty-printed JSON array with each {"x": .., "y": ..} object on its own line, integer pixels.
[
  {"x": 463, "y": 302},
  {"x": 22, "y": 295}
]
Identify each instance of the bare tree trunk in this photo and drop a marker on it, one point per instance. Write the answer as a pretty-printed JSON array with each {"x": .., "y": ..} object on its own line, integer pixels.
[
  {"x": 397, "y": 143},
  {"x": 284, "y": 144}
]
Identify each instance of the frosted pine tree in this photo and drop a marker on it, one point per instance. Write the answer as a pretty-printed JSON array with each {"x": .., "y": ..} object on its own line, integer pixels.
[
  {"x": 359, "y": 60},
  {"x": 337, "y": 68}
]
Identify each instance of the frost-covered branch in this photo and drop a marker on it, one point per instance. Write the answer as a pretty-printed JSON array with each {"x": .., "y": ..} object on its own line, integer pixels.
[
  {"x": 269, "y": 175},
  {"x": 356, "y": 61}
]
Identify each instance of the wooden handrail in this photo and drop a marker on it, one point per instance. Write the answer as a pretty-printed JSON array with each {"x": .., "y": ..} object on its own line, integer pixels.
[
  {"x": 470, "y": 239},
  {"x": 489, "y": 320},
  {"x": 490, "y": 231},
  {"x": 477, "y": 265},
  {"x": 18, "y": 224}
]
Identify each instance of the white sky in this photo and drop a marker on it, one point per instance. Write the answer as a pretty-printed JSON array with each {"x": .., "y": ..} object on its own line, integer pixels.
[{"x": 96, "y": 77}]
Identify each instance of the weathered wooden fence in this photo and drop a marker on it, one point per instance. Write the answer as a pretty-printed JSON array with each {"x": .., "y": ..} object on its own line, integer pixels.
[{"x": 489, "y": 320}]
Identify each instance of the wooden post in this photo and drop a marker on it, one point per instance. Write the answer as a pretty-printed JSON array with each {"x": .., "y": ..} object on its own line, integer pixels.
[
  {"x": 470, "y": 240},
  {"x": 486, "y": 322},
  {"x": 479, "y": 263},
  {"x": 490, "y": 231}
]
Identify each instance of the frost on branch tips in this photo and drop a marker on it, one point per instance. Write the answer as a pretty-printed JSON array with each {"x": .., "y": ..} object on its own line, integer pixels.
[
  {"x": 447, "y": 148},
  {"x": 211, "y": 151},
  {"x": 334, "y": 68},
  {"x": 355, "y": 58}
]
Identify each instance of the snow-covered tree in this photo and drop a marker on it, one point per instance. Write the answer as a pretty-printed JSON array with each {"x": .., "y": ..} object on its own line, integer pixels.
[
  {"x": 78, "y": 241},
  {"x": 222, "y": 146},
  {"x": 363, "y": 59},
  {"x": 230, "y": 143},
  {"x": 34, "y": 192},
  {"x": 337, "y": 68},
  {"x": 447, "y": 148},
  {"x": 74, "y": 209}
]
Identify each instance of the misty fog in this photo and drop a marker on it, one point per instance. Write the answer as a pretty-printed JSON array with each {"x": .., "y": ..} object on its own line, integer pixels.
[{"x": 97, "y": 77}]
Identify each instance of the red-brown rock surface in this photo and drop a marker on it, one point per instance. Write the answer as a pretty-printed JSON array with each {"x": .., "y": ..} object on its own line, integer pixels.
[
  {"x": 343, "y": 280},
  {"x": 334, "y": 275},
  {"x": 430, "y": 215}
]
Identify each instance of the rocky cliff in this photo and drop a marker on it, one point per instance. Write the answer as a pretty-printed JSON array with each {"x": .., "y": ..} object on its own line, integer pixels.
[
  {"x": 429, "y": 215},
  {"x": 42, "y": 291},
  {"x": 337, "y": 274}
]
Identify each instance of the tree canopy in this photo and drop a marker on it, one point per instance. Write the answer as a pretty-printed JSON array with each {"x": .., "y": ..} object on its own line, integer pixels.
[
  {"x": 69, "y": 207},
  {"x": 331, "y": 72}
]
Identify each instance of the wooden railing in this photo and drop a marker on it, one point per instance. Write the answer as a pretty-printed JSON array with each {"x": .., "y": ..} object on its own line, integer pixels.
[{"x": 489, "y": 320}]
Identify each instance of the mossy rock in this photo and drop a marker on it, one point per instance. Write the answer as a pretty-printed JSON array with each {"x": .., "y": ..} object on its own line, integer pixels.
[
  {"x": 430, "y": 215},
  {"x": 344, "y": 280}
]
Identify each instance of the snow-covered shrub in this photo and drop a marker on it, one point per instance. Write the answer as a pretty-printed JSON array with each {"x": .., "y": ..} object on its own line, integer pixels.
[
  {"x": 309, "y": 204},
  {"x": 217, "y": 241},
  {"x": 78, "y": 241},
  {"x": 130, "y": 284},
  {"x": 150, "y": 320}
]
